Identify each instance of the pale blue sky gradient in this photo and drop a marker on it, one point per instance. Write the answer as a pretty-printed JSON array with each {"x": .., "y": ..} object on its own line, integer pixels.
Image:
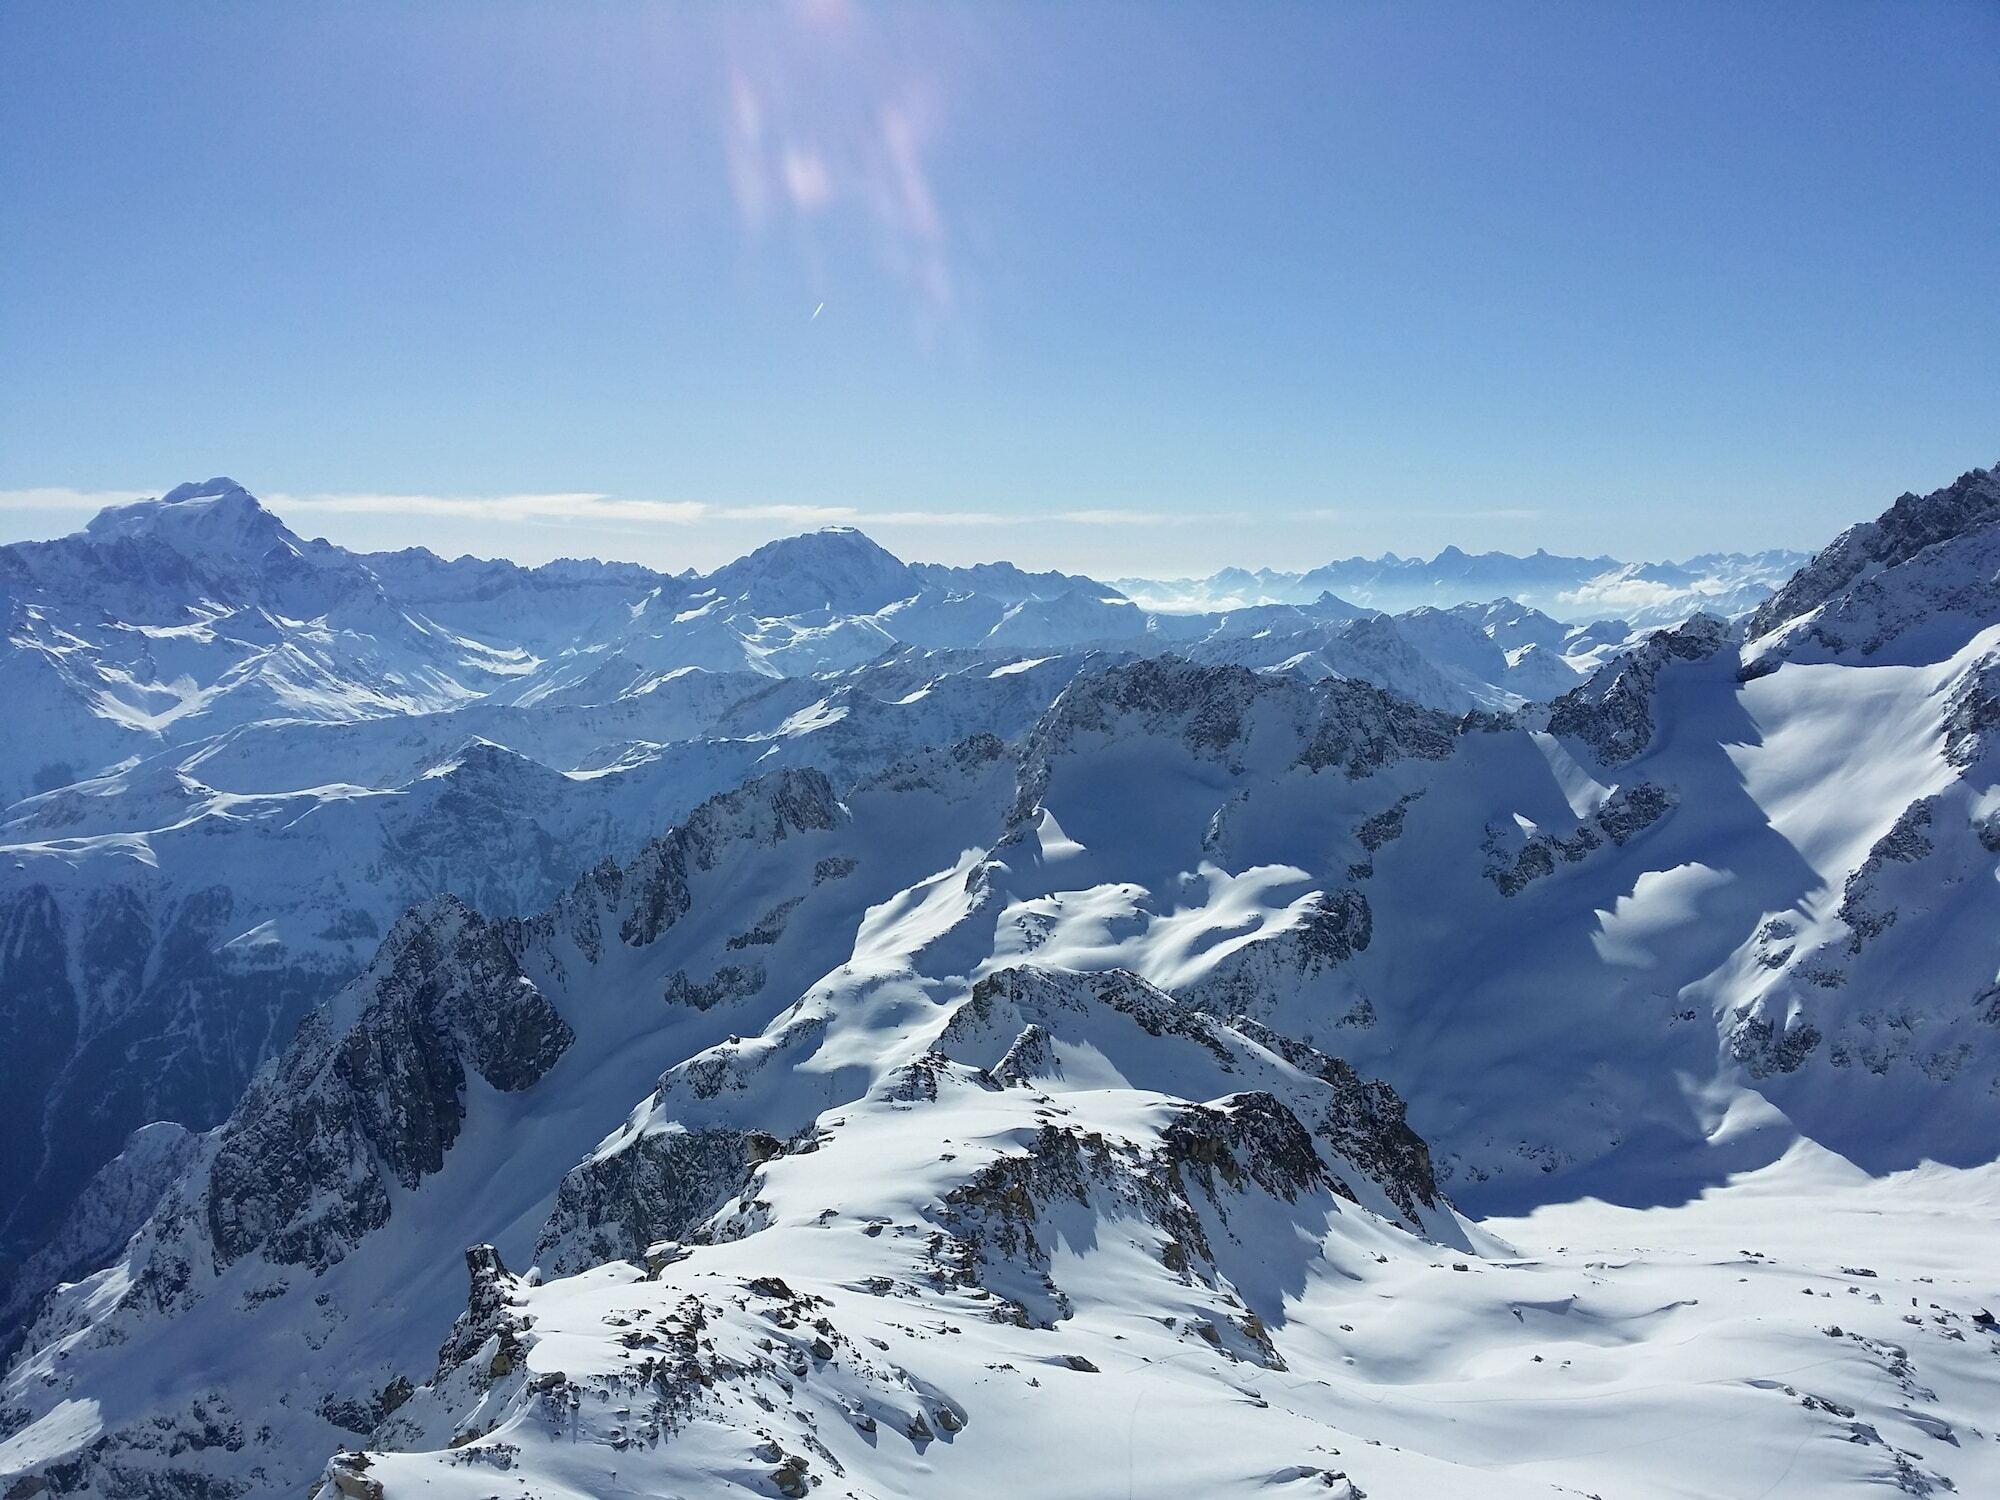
[{"x": 1118, "y": 287}]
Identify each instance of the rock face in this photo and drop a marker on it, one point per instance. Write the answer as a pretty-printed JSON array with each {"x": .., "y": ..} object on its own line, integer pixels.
[
  {"x": 1513, "y": 861},
  {"x": 1227, "y": 715},
  {"x": 1612, "y": 713},
  {"x": 378, "y": 1105},
  {"x": 1897, "y": 536},
  {"x": 111, "y": 1208},
  {"x": 1914, "y": 586},
  {"x": 1048, "y": 1013},
  {"x": 797, "y": 801},
  {"x": 658, "y": 1186}
]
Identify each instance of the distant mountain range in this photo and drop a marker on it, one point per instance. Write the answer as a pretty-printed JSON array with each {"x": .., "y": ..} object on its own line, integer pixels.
[{"x": 1568, "y": 588}]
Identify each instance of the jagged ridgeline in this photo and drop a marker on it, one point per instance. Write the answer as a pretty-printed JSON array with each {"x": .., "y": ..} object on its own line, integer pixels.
[{"x": 1108, "y": 1105}]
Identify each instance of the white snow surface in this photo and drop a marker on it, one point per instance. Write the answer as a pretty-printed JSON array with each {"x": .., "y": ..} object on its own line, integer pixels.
[{"x": 992, "y": 1117}]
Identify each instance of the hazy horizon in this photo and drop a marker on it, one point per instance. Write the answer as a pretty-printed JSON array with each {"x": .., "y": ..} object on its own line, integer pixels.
[{"x": 372, "y": 524}]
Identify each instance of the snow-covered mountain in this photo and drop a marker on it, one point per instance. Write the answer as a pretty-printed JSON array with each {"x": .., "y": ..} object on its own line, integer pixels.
[
  {"x": 235, "y": 755},
  {"x": 1231, "y": 1081}
]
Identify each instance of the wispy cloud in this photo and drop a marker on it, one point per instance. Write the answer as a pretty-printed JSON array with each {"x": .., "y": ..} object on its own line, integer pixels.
[
  {"x": 1334, "y": 513},
  {"x": 61, "y": 498},
  {"x": 1504, "y": 513},
  {"x": 1122, "y": 518},
  {"x": 589, "y": 508},
  {"x": 573, "y": 506}
]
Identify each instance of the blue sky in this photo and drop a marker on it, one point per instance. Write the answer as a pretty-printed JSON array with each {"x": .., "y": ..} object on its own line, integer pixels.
[{"x": 1121, "y": 287}]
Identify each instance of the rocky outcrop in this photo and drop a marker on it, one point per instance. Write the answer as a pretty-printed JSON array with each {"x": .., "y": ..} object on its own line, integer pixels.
[
  {"x": 1000, "y": 1232},
  {"x": 1336, "y": 925},
  {"x": 1032, "y": 990},
  {"x": 764, "y": 811},
  {"x": 1612, "y": 713},
  {"x": 1364, "y": 1121},
  {"x": 489, "y": 1318},
  {"x": 1972, "y": 714},
  {"x": 942, "y": 768},
  {"x": 1215, "y": 712},
  {"x": 1360, "y": 1122},
  {"x": 305, "y": 1166},
  {"x": 659, "y": 1185},
  {"x": 1766, "y": 1047},
  {"x": 1905, "y": 529},
  {"x": 1515, "y": 861},
  {"x": 1907, "y": 841}
]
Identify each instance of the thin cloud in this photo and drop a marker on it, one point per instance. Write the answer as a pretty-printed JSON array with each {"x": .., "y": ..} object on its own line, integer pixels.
[
  {"x": 1122, "y": 518},
  {"x": 808, "y": 183},
  {"x": 56, "y": 497},
  {"x": 1505, "y": 514},
  {"x": 581, "y": 507},
  {"x": 594, "y": 508},
  {"x": 1329, "y": 513}
]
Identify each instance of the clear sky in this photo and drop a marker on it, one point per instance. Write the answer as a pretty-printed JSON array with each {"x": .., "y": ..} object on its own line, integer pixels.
[{"x": 1122, "y": 287}]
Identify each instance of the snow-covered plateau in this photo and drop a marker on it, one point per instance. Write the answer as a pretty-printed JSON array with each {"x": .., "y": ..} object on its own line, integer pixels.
[{"x": 834, "y": 1027}]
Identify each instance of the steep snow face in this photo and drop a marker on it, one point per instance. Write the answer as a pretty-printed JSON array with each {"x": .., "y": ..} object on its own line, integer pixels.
[{"x": 218, "y": 520}]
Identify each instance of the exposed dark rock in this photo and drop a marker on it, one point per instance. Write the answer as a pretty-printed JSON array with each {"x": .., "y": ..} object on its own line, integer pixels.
[
  {"x": 1364, "y": 1121},
  {"x": 1902, "y": 531},
  {"x": 300, "y": 1171},
  {"x": 1612, "y": 713},
  {"x": 1626, "y": 813},
  {"x": 1906, "y": 842},
  {"x": 1765, "y": 1048},
  {"x": 764, "y": 811},
  {"x": 660, "y": 1185},
  {"x": 729, "y": 982}
]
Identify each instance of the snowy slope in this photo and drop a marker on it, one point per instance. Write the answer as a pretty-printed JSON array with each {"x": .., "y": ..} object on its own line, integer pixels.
[{"x": 1006, "y": 1119}]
